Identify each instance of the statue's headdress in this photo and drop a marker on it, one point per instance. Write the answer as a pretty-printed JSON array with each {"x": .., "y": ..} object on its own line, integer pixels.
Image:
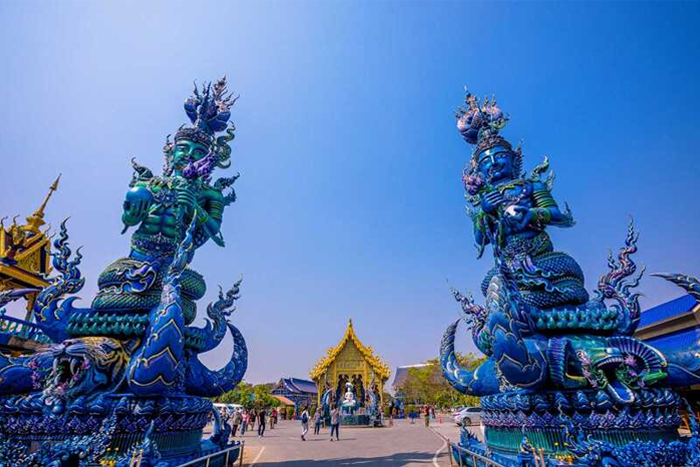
[
  {"x": 209, "y": 110},
  {"x": 480, "y": 124}
]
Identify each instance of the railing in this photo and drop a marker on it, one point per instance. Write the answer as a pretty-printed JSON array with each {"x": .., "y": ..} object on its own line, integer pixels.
[
  {"x": 467, "y": 458},
  {"x": 21, "y": 329},
  {"x": 205, "y": 460}
]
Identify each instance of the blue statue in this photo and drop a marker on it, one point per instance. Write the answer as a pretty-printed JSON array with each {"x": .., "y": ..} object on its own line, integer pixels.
[
  {"x": 555, "y": 356},
  {"x": 129, "y": 364}
]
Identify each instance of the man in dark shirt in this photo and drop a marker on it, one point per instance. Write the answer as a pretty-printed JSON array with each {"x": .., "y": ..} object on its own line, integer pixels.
[{"x": 261, "y": 422}]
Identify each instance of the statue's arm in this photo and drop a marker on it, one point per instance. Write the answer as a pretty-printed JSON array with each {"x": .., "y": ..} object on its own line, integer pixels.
[
  {"x": 136, "y": 204},
  {"x": 210, "y": 215},
  {"x": 545, "y": 210},
  {"x": 480, "y": 235}
]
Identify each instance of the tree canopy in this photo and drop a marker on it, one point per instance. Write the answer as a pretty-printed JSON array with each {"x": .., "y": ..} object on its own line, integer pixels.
[
  {"x": 250, "y": 396},
  {"x": 426, "y": 385}
]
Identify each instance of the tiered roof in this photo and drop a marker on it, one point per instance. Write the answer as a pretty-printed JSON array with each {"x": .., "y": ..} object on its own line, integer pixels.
[
  {"x": 299, "y": 386},
  {"x": 379, "y": 367}
]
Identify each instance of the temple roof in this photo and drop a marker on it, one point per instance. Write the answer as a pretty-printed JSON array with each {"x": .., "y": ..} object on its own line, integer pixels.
[
  {"x": 380, "y": 368},
  {"x": 667, "y": 310},
  {"x": 298, "y": 386},
  {"x": 284, "y": 400},
  {"x": 24, "y": 250}
]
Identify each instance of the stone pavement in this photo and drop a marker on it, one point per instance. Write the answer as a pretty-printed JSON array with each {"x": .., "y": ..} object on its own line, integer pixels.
[{"x": 401, "y": 445}]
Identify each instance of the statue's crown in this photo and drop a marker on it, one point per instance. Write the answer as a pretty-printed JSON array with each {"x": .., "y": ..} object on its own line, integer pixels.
[
  {"x": 208, "y": 109},
  {"x": 479, "y": 124}
]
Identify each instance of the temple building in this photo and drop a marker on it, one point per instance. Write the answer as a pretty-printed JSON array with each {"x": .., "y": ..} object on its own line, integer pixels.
[
  {"x": 25, "y": 263},
  {"x": 353, "y": 362},
  {"x": 674, "y": 326},
  {"x": 300, "y": 392}
]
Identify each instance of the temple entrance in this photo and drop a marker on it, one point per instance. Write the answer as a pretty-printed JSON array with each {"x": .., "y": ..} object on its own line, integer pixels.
[{"x": 351, "y": 378}]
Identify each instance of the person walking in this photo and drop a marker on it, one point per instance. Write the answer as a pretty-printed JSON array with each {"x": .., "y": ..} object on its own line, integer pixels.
[
  {"x": 317, "y": 421},
  {"x": 253, "y": 417},
  {"x": 304, "y": 423},
  {"x": 244, "y": 421},
  {"x": 426, "y": 413},
  {"x": 335, "y": 423},
  {"x": 275, "y": 414},
  {"x": 261, "y": 423},
  {"x": 235, "y": 421}
]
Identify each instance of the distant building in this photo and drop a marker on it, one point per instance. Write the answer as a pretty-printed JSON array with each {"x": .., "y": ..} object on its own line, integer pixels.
[
  {"x": 301, "y": 392},
  {"x": 353, "y": 362},
  {"x": 673, "y": 326},
  {"x": 401, "y": 375}
]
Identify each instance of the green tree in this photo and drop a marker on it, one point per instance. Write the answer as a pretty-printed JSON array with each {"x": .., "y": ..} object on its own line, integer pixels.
[
  {"x": 250, "y": 396},
  {"x": 426, "y": 385}
]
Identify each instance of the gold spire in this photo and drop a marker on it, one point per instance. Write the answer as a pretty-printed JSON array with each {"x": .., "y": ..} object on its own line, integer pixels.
[{"x": 36, "y": 220}]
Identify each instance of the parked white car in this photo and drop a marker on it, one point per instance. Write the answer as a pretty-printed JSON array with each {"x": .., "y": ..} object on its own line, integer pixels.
[{"x": 468, "y": 416}]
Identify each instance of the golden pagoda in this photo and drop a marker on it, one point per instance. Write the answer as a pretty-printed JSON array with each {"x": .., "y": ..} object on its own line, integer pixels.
[
  {"x": 25, "y": 253},
  {"x": 351, "y": 361}
]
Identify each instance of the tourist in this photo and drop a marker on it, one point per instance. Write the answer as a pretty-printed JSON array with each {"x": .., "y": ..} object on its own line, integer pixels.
[
  {"x": 235, "y": 421},
  {"x": 304, "y": 423},
  {"x": 275, "y": 414},
  {"x": 261, "y": 423},
  {"x": 244, "y": 421},
  {"x": 252, "y": 419},
  {"x": 335, "y": 423},
  {"x": 426, "y": 413},
  {"x": 318, "y": 419}
]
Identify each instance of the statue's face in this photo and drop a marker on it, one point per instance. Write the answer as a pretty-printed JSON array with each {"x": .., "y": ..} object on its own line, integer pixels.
[
  {"x": 185, "y": 152},
  {"x": 496, "y": 164}
]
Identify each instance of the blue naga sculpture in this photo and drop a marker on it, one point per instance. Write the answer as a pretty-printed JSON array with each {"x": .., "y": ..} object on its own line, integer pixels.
[
  {"x": 556, "y": 356},
  {"x": 128, "y": 366}
]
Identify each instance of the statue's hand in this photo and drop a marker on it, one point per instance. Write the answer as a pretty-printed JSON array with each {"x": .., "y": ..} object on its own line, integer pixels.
[
  {"x": 136, "y": 205},
  {"x": 525, "y": 217},
  {"x": 187, "y": 200},
  {"x": 513, "y": 214}
]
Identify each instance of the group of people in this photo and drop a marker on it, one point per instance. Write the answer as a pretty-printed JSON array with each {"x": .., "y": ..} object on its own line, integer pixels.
[
  {"x": 247, "y": 419},
  {"x": 318, "y": 422},
  {"x": 428, "y": 413}
]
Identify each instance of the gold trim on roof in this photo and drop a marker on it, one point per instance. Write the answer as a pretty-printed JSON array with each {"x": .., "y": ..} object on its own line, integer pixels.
[{"x": 379, "y": 367}]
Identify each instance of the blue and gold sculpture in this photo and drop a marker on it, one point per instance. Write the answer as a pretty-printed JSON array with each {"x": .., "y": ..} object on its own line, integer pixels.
[
  {"x": 561, "y": 366},
  {"x": 122, "y": 378}
]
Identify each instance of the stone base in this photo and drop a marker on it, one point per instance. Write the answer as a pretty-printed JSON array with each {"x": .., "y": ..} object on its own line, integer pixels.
[
  {"x": 178, "y": 422},
  {"x": 355, "y": 420},
  {"x": 543, "y": 417}
]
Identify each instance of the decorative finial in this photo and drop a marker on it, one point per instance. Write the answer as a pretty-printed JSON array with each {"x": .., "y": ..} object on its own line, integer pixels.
[
  {"x": 209, "y": 110},
  {"x": 36, "y": 220},
  {"x": 688, "y": 283}
]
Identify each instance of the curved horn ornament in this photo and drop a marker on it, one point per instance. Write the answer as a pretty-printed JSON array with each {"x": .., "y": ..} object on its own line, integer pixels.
[{"x": 202, "y": 381}]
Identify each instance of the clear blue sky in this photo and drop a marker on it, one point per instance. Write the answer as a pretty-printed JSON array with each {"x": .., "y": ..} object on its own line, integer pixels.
[{"x": 350, "y": 200}]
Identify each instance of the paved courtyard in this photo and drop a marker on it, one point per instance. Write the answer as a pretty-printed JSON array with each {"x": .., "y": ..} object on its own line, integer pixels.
[{"x": 403, "y": 444}]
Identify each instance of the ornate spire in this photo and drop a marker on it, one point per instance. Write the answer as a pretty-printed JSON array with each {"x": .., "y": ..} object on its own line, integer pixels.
[
  {"x": 480, "y": 123},
  {"x": 36, "y": 220},
  {"x": 209, "y": 110}
]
